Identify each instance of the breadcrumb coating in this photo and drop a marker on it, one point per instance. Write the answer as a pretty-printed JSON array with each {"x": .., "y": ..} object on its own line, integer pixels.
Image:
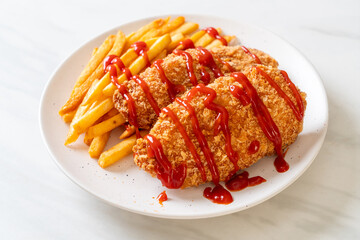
[
  {"x": 243, "y": 125},
  {"x": 175, "y": 69}
]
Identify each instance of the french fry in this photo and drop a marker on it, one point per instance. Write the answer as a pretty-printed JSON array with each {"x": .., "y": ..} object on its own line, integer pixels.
[
  {"x": 160, "y": 56},
  {"x": 150, "y": 34},
  {"x": 129, "y": 131},
  {"x": 81, "y": 90},
  {"x": 175, "y": 40},
  {"x": 78, "y": 93},
  {"x": 73, "y": 135},
  {"x": 195, "y": 37},
  {"x": 166, "y": 20},
  {"x": 88, "y": 138},
  {"x": 94, "y": 51},
  {"x": 217, "y": 43},
  {"x": 140, "y": 62},
  {"x": 119, "y": 44},
  {"x": 133, "y": 37},
  {"x": 68, "y": 117},
  {"x": 106, "y": 126},
  {"x": 127, "y": 58},
  {"x": 205, "y": 40},
  {"x": 116, "y": 50},
  {"x": 91, "y": 116},
  {"x": 98, "y": 145},
  {"x": 118, "y": 151},
  {"x": 186, "y": 28},
  {"x": 111, "y": 113},
  {"x": 171, "y": 26}
]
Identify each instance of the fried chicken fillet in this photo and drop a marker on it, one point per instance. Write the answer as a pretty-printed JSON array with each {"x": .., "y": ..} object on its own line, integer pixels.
[
  {"x": 175, "y": 69},
  {"x": 243, "y": 124}
]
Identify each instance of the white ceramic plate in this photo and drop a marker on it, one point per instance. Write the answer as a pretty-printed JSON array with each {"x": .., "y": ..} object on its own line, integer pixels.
[{"x": 125, "y": 186}]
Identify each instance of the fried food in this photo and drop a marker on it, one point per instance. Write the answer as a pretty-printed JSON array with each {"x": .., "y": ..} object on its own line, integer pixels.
[
  {"x": 243, "y": 124},
  {"x": 114, "y": 44},
  {"x": 118, "y": 151},
  {"x": 175, "y": 69}
]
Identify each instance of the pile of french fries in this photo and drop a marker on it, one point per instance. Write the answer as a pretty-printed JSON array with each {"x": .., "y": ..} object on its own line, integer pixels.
[{"x": 90, "y": 108}]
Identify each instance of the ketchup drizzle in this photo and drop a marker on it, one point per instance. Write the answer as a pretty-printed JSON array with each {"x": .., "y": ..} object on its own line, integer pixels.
[
  {"x": 172, "y": 89},
  {"x": 206, "y": 59},
  {"x": 215, "y": 34},
  {"x": 242, "y": 180},
  {"x": 201, "y": 139},
  {"x": 222, "y": 114},
  {"x": 240, "y": 94},
  {"x": 109, "y": 66},
  {"x": 169, "y": 176},
  {"x": 263, "y": 116},
  {"x": 295, "y": 92},
  {"x": 257, "y": 60},
  {"x": 148, "y": 94},
  {"x": 298, "y": 113},
  {"x": 141, "y": 49},
  {"x": 123, "y": 91},
  {"x": 187, "y": 43},
  {"x": 187, "y": 140},
  {"x": 231, "y": 69},
  {"x": 189, "y": 65},
  {"x": 205, "y": 76},
  {"x": 113, "y": 59}
]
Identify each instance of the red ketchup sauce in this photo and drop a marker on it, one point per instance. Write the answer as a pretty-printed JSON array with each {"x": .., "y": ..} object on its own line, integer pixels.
[
  {"x": 170, "y": 177},
  {"x": 205, "y": 76},
  {"x": 187, "y": 43},
  {"x": 215, "y": 34},
  {"x": 111, "y": 68},
  {"x": 189, "y": 65},
  {"x": 296, "y": 94},
  {"x": 187, "y": 140},
  {"x": 113, "y": 59},
  {"x": 223, "y": 115},
  {"x": 254, "y": 147},
  {"x": 162, "y": 197},
  {"x": 206, "y": 59},
  {"x": 141, "y": 49},
  {"x": 231, "y": 69},
  {"x": 242, "y": 180},
  {"x": 263, "y": 116},
  {"x": 218, "y": 195},
  {"x": 201, "y": 139},
  {"x": 298, "y": 113},
  {"x": 148, "y": 94},
  {"x": 172, "y": 89},
  {"x": 110, "y": 64},
  {"x": 257, "y": 60}
]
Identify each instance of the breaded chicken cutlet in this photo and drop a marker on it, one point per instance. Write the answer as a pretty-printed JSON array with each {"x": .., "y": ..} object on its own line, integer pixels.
[
  {"x": 264, "y": 111},
  {"x": 170, "y": 77}
]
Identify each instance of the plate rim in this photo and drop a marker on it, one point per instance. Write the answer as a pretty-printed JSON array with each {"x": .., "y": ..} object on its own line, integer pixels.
[{"x": 159, "y": 214}]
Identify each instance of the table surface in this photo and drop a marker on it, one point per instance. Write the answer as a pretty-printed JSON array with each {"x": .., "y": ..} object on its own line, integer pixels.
[{"x": 38, "y": 201}]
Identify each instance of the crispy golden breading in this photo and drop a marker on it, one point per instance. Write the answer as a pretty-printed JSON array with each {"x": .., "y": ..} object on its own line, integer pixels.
[
  {"x": 243, "y": 125},
  {"x": 175, "y": 69}
]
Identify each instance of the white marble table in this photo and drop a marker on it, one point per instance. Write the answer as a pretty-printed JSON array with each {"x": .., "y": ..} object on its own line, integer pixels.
[{"x": 38, "y": 201}]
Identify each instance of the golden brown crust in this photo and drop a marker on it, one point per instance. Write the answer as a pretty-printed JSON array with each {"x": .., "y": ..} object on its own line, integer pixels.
[
  {"x": 175, "y": 69},
  {"x": 243, "y": 125}
]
